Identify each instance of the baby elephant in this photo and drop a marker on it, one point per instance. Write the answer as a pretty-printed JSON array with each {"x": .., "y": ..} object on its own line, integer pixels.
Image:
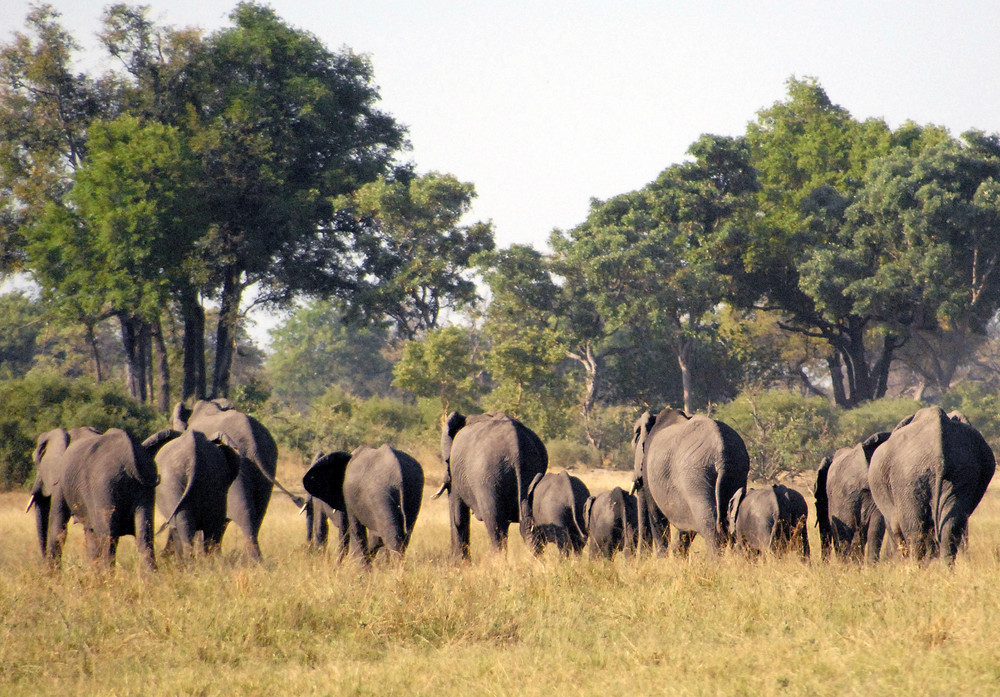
[
  {"x": 769, "y": 519},
  {"x": 555, "y": 504},
  {"x": 379, "y": 491},
  {"x": 612, "y": 521}
]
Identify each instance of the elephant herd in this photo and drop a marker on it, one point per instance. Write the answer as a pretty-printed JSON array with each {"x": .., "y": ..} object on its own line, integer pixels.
[{"x": 919, "y": 483}]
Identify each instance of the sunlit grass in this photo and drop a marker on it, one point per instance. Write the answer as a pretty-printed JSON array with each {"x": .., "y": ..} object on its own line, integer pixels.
[{"x": 501, "y": 624}]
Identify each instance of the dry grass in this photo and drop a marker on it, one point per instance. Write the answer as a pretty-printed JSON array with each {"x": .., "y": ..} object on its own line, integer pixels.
[{"x": 503, "y": 624}]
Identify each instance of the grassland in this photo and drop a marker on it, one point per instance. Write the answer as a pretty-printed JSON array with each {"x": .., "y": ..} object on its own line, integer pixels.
[{"x": 300, "y": 624}]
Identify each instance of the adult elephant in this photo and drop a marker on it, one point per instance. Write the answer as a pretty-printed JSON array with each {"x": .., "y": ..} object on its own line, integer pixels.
[
  {"x": 378, "y": 490},
  {"x": 688, "y": 470},
  {"x": 491, "y": 459},
  {"x": 850, "y": 524},
  {"x": 555, "y": 504},
  {"x": 250, "y": 493},
  {"x": 195, "y": 476},
  {"x": 49, "y": 466},
  {"x": 612, "y": 522},
  {"x": 928, "y": 478},
  {"x": 769, "y": 519},
  {"x": 108, "y": 484}
]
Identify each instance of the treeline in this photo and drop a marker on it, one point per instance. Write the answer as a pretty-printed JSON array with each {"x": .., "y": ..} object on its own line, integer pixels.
[{"x": 152, "y": 205}]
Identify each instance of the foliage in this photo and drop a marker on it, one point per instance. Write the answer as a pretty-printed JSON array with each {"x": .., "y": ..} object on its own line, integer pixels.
[
  {"x": 441, "y": 365},
  {"x": 338, "y": 420},
  {"x": 785, "y": 433},
  {"x": 43, "y": 400},
  {"x": 21, "y": 323},
  {"x": 424, "y": 264},
  {"x": 315, "y": 347}
]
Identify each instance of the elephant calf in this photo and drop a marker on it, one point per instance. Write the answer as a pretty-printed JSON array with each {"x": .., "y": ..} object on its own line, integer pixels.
[
  {"x": 612, "y": 521},
  {"x": 379, "y": 492},
  {"x": 555, "y": 505},
  {"x": 769, "y": 519}
]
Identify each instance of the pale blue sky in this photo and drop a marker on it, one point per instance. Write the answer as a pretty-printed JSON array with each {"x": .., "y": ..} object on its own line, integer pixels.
[{"x": 544, "y": 105}]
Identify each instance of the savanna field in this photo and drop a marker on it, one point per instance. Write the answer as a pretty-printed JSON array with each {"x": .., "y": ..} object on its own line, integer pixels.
[{"x": 302, "y": 624}]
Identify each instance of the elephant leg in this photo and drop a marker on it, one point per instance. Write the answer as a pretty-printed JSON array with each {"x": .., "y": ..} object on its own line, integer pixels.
[
  {"x": 58, "y": 522},
  {"x": 459, "y": 527},
  {"x": 659, "y": 527},
  {"x": 875, "y": 535},
  {"x": 213, "y": 538},
  {"x": 498, "y": 529},
  {"x": 684, "y": 539},
  {"x": 320, "y": 530},
  {"x": 953, "y": 531},
  {"x": 802, "y": 531},
  {"x": 183, "y": 532},
  {"x": 359, "y": 540},
  {"x": 43, "y": 505},
  {"x": 144, "y": 536}
]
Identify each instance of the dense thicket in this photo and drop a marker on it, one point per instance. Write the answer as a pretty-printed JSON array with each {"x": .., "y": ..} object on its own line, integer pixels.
[{"x": 846, "y": 262}]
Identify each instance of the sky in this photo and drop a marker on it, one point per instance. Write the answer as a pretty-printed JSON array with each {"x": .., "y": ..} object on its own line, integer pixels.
[{"x": 546, "y": 105}]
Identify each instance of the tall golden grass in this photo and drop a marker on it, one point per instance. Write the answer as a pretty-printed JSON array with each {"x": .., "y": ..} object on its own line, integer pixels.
[{"x": 507, "y": 624}]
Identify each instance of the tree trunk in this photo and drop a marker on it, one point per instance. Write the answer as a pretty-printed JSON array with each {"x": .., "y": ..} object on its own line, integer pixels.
[
  {"x": 225, "y": 344},
  {"x": 163, "y": 368},
  {"x": 135, "y": 373},
  {"x": 590, "y": 366},
  {"x": 837, "y": 379},
  {"x": 146, "y": 346},
  {"x": 95, "y": 353},
  {"x": 194, "y": 383}
]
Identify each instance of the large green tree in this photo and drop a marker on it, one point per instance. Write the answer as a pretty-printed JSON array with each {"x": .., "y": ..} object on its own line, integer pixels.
[
  {"x": 282, "y": 126},
  {"x": 424, "y": 262}
]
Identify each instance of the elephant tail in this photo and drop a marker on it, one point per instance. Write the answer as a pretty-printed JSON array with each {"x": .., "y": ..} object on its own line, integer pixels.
[{"x": 189, "y": 487}]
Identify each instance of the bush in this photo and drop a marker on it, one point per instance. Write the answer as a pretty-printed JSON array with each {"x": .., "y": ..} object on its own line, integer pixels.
[
  {"x": 785, "y": 433},
  {"x": 567, "y": 454},
  {"x": 43, "y": 400}
]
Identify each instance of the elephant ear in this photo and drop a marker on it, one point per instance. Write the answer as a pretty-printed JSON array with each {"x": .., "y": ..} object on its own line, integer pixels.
[
  {"x": 872, "y": 442},
  {"x": 229, "y": 453},
  {"x": 733, "y": 511},
  {"x": 642, "y": 428},
  {"x": 904, "y": 422},
  {"x": 587, "y": 506},
  {"x": 959, "y": 417},
  {"x": 179, "y": 417},
  {"x": 158, "y": 440},
  {"x": 325, "y": 479},
  {"x": 452, "y": 425}
]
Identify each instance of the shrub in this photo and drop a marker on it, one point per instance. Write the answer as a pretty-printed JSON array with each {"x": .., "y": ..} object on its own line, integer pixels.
[
  {"x": 567, "y": 454},
  {"x": 43, "y": 400},
  {"x": 785, "y": 432}
]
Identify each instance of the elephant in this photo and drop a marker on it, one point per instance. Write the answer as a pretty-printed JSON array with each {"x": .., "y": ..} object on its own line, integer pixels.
[
  {"x": 319, "y": 517},
  {"x": 49, "y": 465},
  {"x": 850, "y": 524},
  {"x": 250, "y": 494},
  {"x": 555, "y": 504},
  {"x": 927, "y": 479},
  {"x": 195, "y": 476},
  {"x": 108, "y": 484},
  {"x": 612, "y": 522},
  {"x": 490, "y": 461},
  {"x": 769, "y": 519},
  {"x": 687, "y": 470},
  {"x": 378, "y": 490}
]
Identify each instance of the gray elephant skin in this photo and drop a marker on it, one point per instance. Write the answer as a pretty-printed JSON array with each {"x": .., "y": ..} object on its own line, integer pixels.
[
  {"x": 555, "y": 504},
  {"x": 250, "y": 493},
  {"x": 490, "y": 461},
  {"x": 850, "y": 524},
  {"x": 927, "y": 479},
  {"x": 769, "y": 520},
  {"x": 107, "y": 482},
  {"x": 49, "y": 465},
  {"x": 195, "y": 476},
  {"x": 688, "y": 468},
  {"x": 378, "y": 490},
  {"x": 612, "y": 521}
]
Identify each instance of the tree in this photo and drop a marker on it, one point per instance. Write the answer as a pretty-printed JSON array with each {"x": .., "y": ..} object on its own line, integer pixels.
[
  {"x": 123, "y": 244},
  {"x": 425, "y": 263},
  {"x": 441, "y": 365},
  {"x": 282, "y": 125},
  {"x": 315, "y": 348},
  {"x": 21, "y": 322},
  {"x": 526, "y": 351},
  {"x": 811, "y": 156}
]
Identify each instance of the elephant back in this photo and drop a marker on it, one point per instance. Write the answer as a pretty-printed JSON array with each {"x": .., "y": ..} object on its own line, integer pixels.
[{"x": 246, "y": 435}]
